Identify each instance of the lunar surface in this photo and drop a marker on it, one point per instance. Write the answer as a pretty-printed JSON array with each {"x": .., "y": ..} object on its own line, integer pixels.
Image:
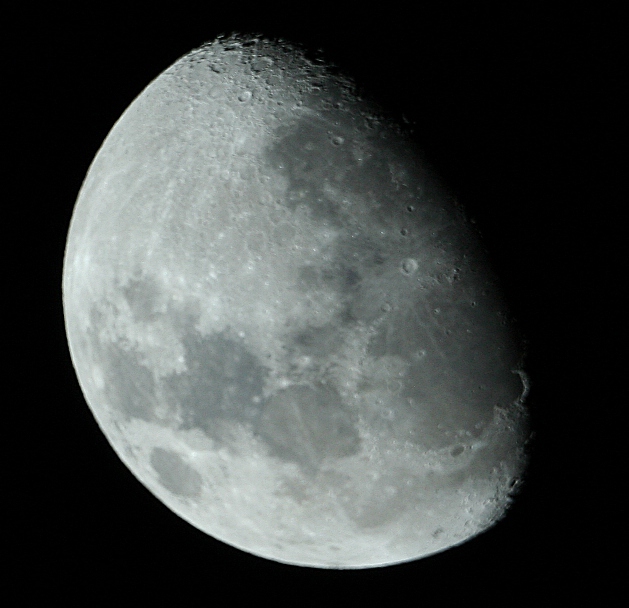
[{"x": 283, "y": 323}]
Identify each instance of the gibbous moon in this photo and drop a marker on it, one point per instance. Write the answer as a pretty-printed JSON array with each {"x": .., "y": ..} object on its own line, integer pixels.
[{"x": 283, "y": 323}]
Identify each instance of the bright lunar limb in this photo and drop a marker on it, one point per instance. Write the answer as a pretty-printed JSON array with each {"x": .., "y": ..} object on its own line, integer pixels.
[{"x": 284, "y": 325}]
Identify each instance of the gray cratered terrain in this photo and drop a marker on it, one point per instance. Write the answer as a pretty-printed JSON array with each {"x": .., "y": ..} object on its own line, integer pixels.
[{"x": 284, "y": 325}]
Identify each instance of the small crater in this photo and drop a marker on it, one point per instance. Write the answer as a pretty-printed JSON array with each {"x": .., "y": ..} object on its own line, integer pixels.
[
  {"x": 244, "y": 96},
  {"x": 410, "y": 208},
  {"x": 513, "y": 483},
  {"x": 409, "y": 266},
  {"x": 404, "y": 232},
  {"x": 261, "y": 63},
  {"x": 457, "y": 451},
  {"x": 338, "y": 140}
]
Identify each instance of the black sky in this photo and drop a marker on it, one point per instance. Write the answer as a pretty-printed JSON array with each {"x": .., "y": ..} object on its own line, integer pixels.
[{"x": 518, "y": 109}]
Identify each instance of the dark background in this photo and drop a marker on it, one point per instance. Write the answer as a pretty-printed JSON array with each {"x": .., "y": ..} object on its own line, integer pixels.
[{"x": 518, "y": 108}]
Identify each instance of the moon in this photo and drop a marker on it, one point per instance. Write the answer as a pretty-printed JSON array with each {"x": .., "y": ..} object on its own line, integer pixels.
[{"x": 283, "y": 322}]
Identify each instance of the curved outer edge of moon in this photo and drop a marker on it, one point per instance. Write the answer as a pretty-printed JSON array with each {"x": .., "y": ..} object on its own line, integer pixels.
[{"x": 282, "y": 324}]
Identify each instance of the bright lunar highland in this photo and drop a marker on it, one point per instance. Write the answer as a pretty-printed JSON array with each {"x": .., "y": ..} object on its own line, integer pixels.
[{"x": 284, "y": 324}]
